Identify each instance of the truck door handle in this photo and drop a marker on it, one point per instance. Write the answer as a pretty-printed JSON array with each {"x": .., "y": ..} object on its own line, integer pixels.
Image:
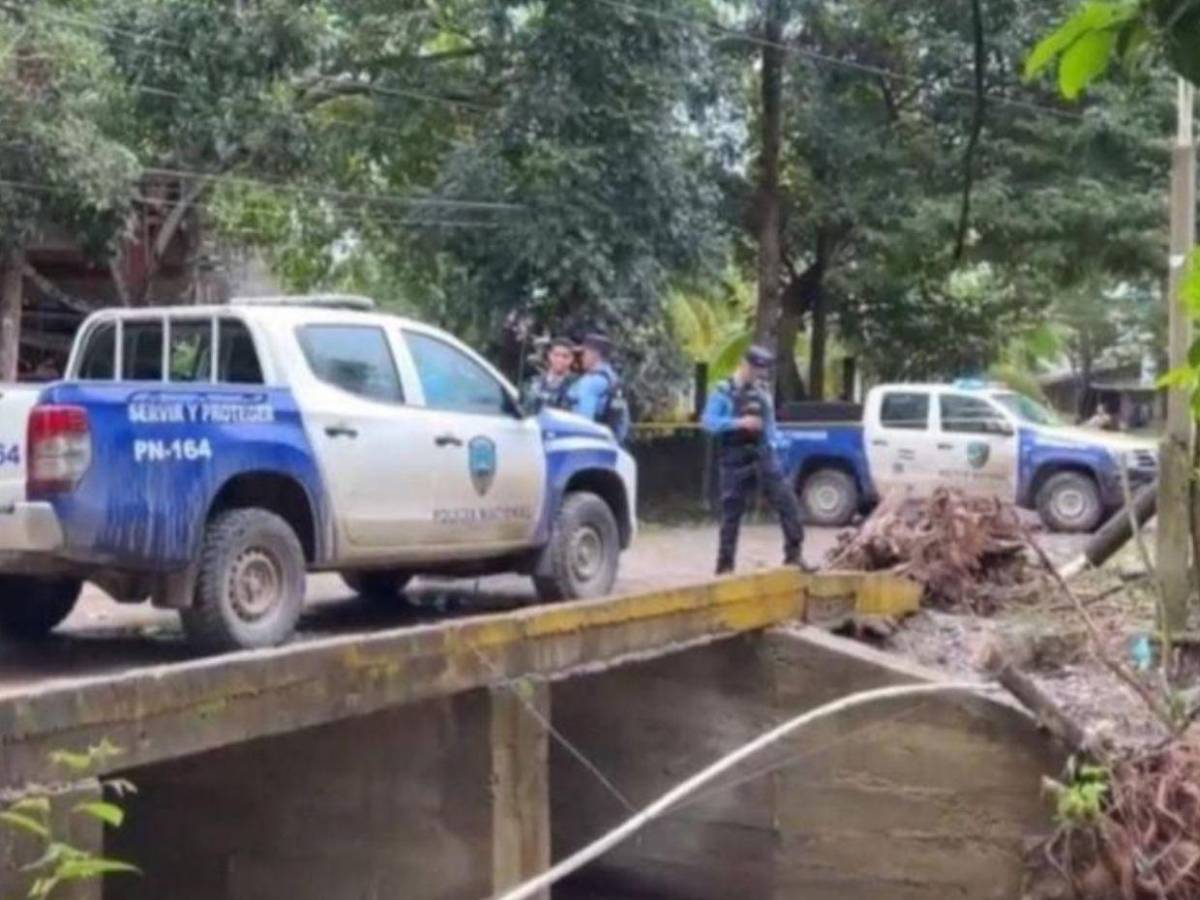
[
  {"x": 447, "y": 440},
  {"x": 341, "y": 431},
  {"x": 945, "y": 446},
  {"x": 879, "y": 442}
]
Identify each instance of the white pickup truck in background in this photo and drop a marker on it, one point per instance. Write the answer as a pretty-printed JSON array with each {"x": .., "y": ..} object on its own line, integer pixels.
[
  {"x": 913, "y": 438},
  {"x": 206, "y": 457}
]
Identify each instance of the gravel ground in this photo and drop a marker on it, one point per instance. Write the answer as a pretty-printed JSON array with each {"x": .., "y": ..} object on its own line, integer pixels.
[{"x": 1047, "y": 637}]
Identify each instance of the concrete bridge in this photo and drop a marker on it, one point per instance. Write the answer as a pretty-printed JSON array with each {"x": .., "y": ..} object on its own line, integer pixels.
[{"x": 454, "y": 759}]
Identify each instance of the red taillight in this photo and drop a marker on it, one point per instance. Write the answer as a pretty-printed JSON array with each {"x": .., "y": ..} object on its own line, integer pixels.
[{"x": 58, "y": 449}]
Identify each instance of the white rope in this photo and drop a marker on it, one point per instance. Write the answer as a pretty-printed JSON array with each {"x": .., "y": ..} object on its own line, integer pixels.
[{"x": 664, "y": 803}]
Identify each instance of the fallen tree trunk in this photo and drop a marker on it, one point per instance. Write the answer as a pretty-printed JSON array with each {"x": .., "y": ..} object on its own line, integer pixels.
[{"x": 1115, "y": 533}]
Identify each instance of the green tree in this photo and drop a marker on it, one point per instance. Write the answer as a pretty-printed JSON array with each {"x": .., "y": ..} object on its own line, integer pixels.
[
  {"x": 60, "y": 165},
  {"x": 218, "y": 93},
  {"x": 889, "y": 215},
  {"x": 596, "y": 143}
]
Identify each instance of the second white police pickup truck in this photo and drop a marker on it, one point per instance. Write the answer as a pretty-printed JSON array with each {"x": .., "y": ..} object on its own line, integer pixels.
[
  {"x": 207, "y": 457},
  {"x": 913, "y": 438}
]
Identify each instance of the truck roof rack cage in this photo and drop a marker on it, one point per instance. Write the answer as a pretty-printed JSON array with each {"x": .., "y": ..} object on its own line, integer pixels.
[{"x": 324, "y": 301}]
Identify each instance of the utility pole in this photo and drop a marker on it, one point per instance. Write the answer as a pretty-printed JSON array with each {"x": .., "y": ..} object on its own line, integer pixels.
[
  {"x": 1174, "y": 485},
  {"x": 766, "y": 316}
]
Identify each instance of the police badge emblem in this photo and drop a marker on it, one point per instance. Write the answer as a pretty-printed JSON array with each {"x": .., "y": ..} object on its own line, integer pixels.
[
  {"x": 978, "y": 454},
  {"x": 481, "y": 462}
]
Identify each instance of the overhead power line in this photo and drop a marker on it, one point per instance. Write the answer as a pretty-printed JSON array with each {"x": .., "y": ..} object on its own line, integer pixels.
[
  {"x": 333, "y": 193},
  {"x": 350, "y": 196}
]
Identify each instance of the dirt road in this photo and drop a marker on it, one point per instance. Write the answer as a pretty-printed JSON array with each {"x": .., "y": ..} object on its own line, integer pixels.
[{"x": 102, "y": 636}]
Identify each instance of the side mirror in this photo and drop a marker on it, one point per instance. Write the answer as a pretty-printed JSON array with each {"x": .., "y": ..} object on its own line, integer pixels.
[
  {"x": 524, "y": 407},
  {"x": 1002, "y": 428}
]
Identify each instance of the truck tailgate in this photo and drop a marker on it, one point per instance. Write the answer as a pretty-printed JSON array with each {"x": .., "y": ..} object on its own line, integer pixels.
[{"x": 16, "y": 400}]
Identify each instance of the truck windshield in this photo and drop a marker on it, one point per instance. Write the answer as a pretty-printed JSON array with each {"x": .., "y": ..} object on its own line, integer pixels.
[{"x": 1027, "y": 410}]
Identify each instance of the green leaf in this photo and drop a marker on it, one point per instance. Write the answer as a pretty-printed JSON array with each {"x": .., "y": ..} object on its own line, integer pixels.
[
  {"x": 1090, "y": 17},
  {"x": 1085, "y": 60},
  {"x": 54, "y": 852},
  {"x": 1180, "y": 377},
  {"x": 76, "y": 762},
  {"x": 726, "y": 359},
  {"x": 25, "y": 823},
  {"x": 42, "y": 887},
  {"x": 1189, "y": 285},
  {"x": 108, "y": 813},
  {"x": 81, "y": 762},
  {"x": 38, "y": 804},
  {"x": 92, "y": 867}
]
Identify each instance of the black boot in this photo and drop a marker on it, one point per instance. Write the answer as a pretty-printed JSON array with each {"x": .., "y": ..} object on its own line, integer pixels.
[
  {"x": 793, "y": 558},
  {"x": 724, "y": 567}
]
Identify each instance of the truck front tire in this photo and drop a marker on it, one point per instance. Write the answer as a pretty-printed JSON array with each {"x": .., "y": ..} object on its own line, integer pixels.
[
  {"x": 584, "y": 551},
  {"x": 250, "y": 584},
  {"x": 30, "y": 607},
  {"x": 1070, "y": 502},
  {"x": 380, "y": 586},
  {"x": 828, "y": 497}
]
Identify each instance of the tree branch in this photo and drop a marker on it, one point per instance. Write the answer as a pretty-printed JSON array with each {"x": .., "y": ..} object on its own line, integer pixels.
[
  {"x": 980, "y": 108},
  {"x": 191, "y": 193},
  {"x": 1152, "y": 701},
  {"x": 54, "y": 292}
]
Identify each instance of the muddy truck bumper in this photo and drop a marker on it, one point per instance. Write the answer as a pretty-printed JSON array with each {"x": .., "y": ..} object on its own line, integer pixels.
[{"x": 29, "y": 529}]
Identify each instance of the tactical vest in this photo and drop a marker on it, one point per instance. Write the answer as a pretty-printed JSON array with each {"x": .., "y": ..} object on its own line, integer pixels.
[
  {"x": 747, "y": 400},
  {"x": 553, "y": 396},
  {"x": 614, "y": 410}
]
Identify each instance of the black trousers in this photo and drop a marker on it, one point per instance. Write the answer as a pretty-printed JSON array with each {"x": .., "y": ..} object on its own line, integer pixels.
[{"x": 741, "y": 472}]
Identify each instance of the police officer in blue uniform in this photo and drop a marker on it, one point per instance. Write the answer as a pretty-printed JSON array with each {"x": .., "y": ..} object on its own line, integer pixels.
[
  {"x": 597, "y": 394},
  {"x": 740, "y": 415},
  {"x": 551, "y": 387}
]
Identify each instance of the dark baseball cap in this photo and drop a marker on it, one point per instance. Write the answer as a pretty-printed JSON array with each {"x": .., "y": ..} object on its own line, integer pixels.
[{"x": 759, "y": 357}]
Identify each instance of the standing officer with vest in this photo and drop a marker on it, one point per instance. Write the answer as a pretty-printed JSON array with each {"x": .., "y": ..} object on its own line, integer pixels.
[
  {"x": 597, "y": 393},
  {"x": 550, "y": 388},
  {"x": 740, "y": 415}
]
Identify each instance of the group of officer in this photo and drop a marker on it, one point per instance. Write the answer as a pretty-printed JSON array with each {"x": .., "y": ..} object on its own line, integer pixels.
[
  {"x": 739, "y": 415},
  {"x": 581, "y": 379}
]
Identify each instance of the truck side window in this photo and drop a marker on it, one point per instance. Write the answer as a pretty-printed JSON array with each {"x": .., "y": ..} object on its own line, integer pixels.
[
  {"x": 903, "y": 409},
  {"x": 190, "y": 358},
  {"x": 453, "y": 381},
  {"x": 141, "y": 350},
  {"x": 99, "y": 359},
  {"x": 969, "y": 415},
  {"x": 355, "y": 358},
  {"x": 239, "y": 360}
]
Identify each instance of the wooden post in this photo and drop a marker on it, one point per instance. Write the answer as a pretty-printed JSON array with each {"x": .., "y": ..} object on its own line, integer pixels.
[
  {"x": 520, "y": 784},
  {"x": 1174, "y": 513},
  {"x": 701, "y": 389},
  {"x": 12, "y": 266},
  {"x": 849, "y": 379}
]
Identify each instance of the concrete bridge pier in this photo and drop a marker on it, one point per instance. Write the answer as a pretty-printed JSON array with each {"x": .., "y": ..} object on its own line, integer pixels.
[{"x": 520, "y": 741}]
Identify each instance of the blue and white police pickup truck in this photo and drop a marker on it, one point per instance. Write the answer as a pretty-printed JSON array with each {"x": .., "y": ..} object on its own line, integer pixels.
[
  {"x": 914, "y": 438},
  {"x": 207, "y": 457}
]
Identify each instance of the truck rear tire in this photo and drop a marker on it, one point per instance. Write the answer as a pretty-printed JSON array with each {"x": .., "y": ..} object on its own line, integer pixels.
[
  {"x": 378, "y": 585},
  {"x": 30, "y": 607},
  {"x": 1070, "y": 502},
  {"x": 584, "y": 551},
  {"x": 250, "y": 584},
  {"x": 829, "y": 497}
]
